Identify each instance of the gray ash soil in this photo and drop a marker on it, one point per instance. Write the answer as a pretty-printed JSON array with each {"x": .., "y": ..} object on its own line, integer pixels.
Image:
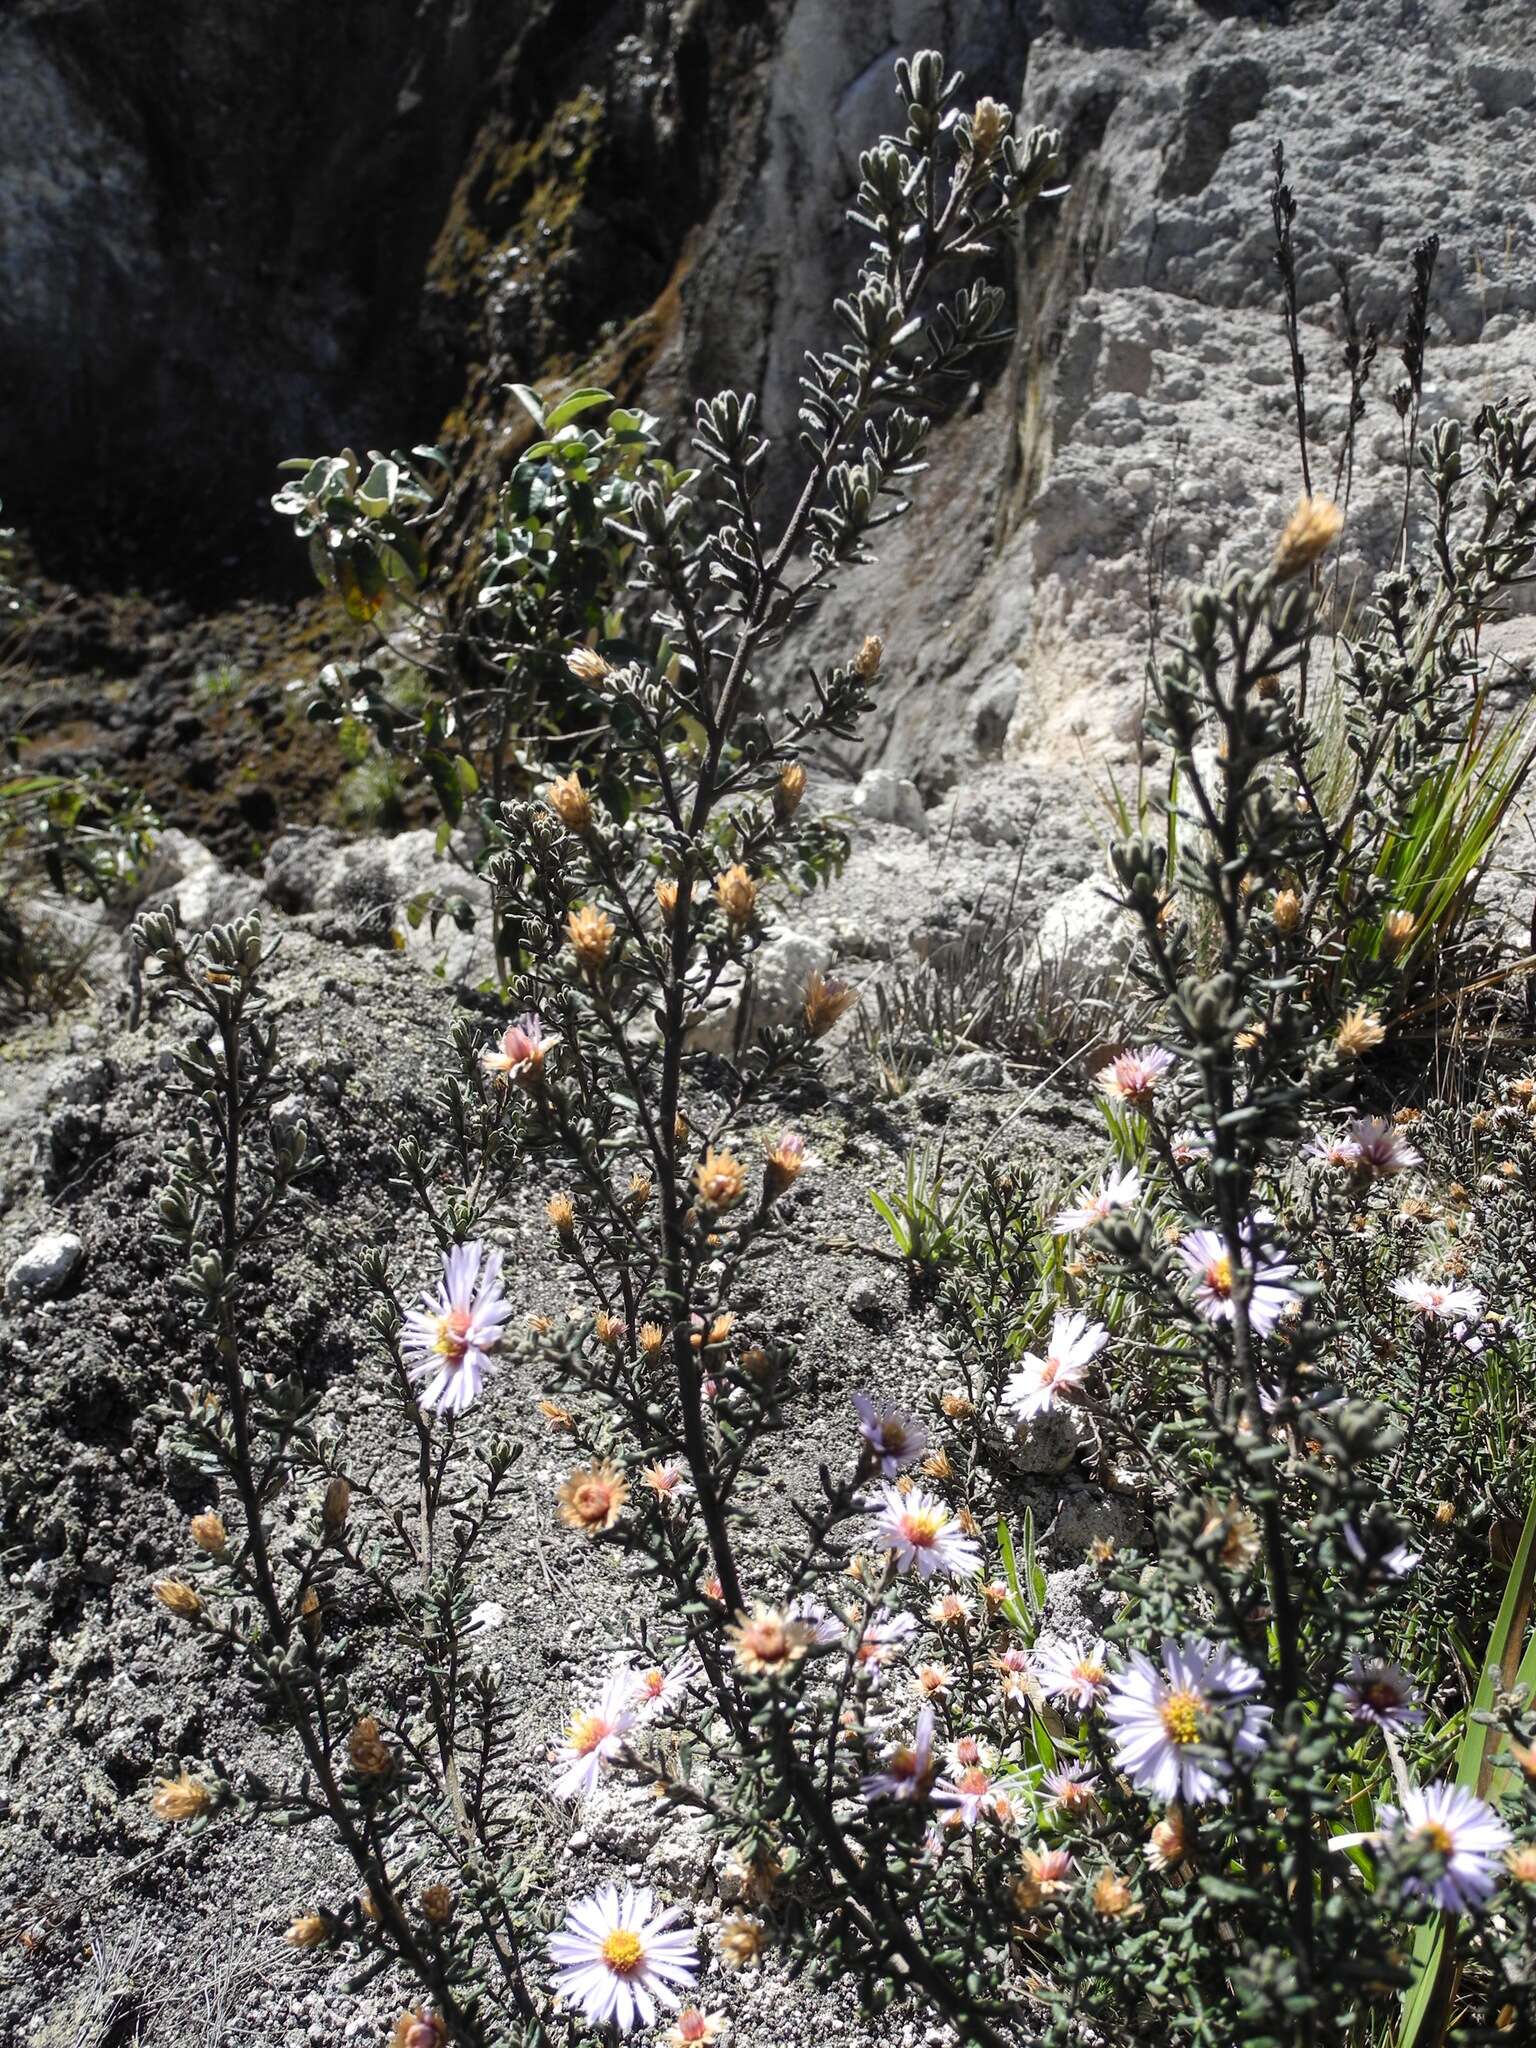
[{"x": 114, "y": 1928}]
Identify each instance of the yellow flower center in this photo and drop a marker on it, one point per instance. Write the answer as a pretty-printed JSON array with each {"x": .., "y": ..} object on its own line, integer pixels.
[
  {"x": 452, "y": 1338},
  {"x": 623, "y": 1952},
  {"x": 1218, "y": 1275},
  {"x": 1087, "y": 1672},
  {"x": 585, "y": 1733},
  {"x": 1438, "y": 1836},
  {"x": 1181, "y": 1717},
  {"x": 921, "y": 1526}
]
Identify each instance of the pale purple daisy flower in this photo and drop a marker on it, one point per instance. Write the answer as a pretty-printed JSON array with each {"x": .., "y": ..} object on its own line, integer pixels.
[
  {"x": 1190, "y": 1148},
  {"x": 922, "y": 1532},
  {"x": 595, "y": 1735},
  {"x": 1203, "y": 1694},
  {"x": 1071, "y": 1673},
  {"x": 519, "y": 1053},
  {"x": 1205, "y": 1254},
  {"x": 1395, "y": 1561},
  {"x": 653, "y": 1688},
  {"x": 448, "y": 1341},
  {"x": 1133, "y": 1076},
  {"x": 1040, "y": 1383},
  {"x": 1380, "y": 1148},
  {"x": 1092, "y": 1205},
  {"x": 1380, "y": 1693},
  {"x": 971, "y": 1787},
  {"x": 1336, "y": 1150},
  {"x": 882, "y": 1641},
  {"x": 618, "y": 1958},
  {"x": 907, "y": 1769},
  {"x": 895, "y": 1438},
  {"x": 1439, "y": 1303},
  {"x": 1464, "y": 1830}
]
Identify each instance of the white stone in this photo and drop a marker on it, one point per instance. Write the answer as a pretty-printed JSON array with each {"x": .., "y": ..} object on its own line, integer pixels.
[
  {"x": 45, "y": 1268},
  {"x": 886, "y": 799}
]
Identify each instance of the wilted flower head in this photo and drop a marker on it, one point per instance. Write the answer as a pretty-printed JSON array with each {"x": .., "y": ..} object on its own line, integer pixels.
[
  {"x": 741, "y": 1940},
  {"x": 785, "y": 1162},
  {"x": 1205, "y": 1254},
  {"x": 592, "y": 1498},
  {"x": 866, "y": 663},
  {"x": 1047, "y": 1874},
  {"x": 1168, "y": 1718},
  {"x": 895, "y": 1438},
  {"x": 183, "y": 1600},
  {"x": 370, "y": 1755},
  {"x": 1091, "y": 1205},
  {"x": 617, "y": 1958},
  {"x": 1467, "y": 1838},
  {"x": 208, "y": 1533},
  {"x": 437, "y": 1904},
  {"x": 825, "y": 1001},
  {"x": 1041, "y": 1383},
  {"x": 788, "y": 791},
  {"x": 570, "y": 803},
  {"x": 923, "y": 1533},
  {"x": 448, "y": 1341},
  {"x": 720, "y": 1178},
  {"x": 591, "y": 935},
  {"x": 418, "y": 2029},
  {"x": 736, "y": 893},
  {"x": 1309, "y": 532},
  {"x": 309, "y": 1930},
  {"x": 1169, "y": 1842},
  {"x": 518, "y": 1055},
  {"x": 183, "y": 1798},
  {"x": 1134, "y": 1076},
  {"x": 1286, "y": 911},
  {"x": 561, "y": 1211},
  {"x": 587, "y": 665},
  {"x": 767, "y": 1642},
  {"x": 1361, "y": 1032}
]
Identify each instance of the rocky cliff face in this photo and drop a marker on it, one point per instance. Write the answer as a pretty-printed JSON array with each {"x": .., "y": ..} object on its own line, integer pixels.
[{"x": 225, "y": 238}]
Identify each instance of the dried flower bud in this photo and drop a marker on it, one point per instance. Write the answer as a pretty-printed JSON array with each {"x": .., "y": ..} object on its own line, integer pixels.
[
  {"x": 1445, "y": 1513},
  {"x": 539, "y": 1326},
  {"x": 639, "y": 1191},
  {"x": 1398, "y": 930},
  {"x": 587, "y": 665},
  {"x": 989, "y": 124},
  {"x": 437, "y": 1904},
  {"x": 755, "y": 1363},
  {"x": 570, "y": 803},
  {"x": 591, "y": 934},
  {"x": 561, "y": 1211},
  {"x": 561, "y": 1420},
  {"x": 938, "y": 1465},
  {"x": 866, "y": 663},
  {"x": 182, "y": 1600},
  {"x": 310, "y": 1930},
  {"x": 592, "y": 1498},
  {"x": 1113, "y": 1898},
  {"x": 371, "y": 1755},
  {"x": 183, "y": 1798},
  {"x": 825, "y": 1001},
  {"x": 1168, "y": 1843},
  {"x": 666, "y": 900},
  {"x": 1286, "y": 911},
  {"x": 608, "y": 1329},
  {"x": 721, "y": 1179},
  {"x": 1360, "y": 1033},
  {"x": 785, "y": 1162},
  {"x": 741, "y": 1941},
  {"x": 1309, "y": 532},
  {"x": 416, "y": 2029},
  {"x": 1522, "y": 1863},
  {"x": 736, "y": 893},
  {"x": 309, "y": 1612},
  {"x": 337, "y": 1504},
  {"x": 681, "y": 1128},
  {"x": 208, "y": 1533},
  {"x": 788, "y": 790},
  {"x": 652, "y": 1338},
  {"x": 955, "y": 1405},
  {"x": 1266, "y": 687}
]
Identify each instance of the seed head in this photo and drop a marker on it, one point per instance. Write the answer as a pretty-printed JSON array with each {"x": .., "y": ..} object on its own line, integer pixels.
[
  {"x": 570, "y": 803},
  {"x": 1309, "y": 532},
  {"x": 437, "y": 1903},
  {"x": 310, "y": 1930},
  {"x": 182, "y": 1600},
  {"x": 825, "y": 1001},
  {"x": 736, "y": 893},
  {"x": 592, "y": 1498},
  {"x": 591, "y": 934},
  {"x": 788, "y": 790},
  {"x": 1360, "y": 1033},
  {"x": 208, "y": 1533},
  {"x": 866, "y": 663},
  {"x": 183, "y": 1798},
  {"x": 1286, "y": 912},
  {"x": 721, "y": 1179},
  {"x": 587, "y": 665},
  {"x": 371, "y": 1755}
]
